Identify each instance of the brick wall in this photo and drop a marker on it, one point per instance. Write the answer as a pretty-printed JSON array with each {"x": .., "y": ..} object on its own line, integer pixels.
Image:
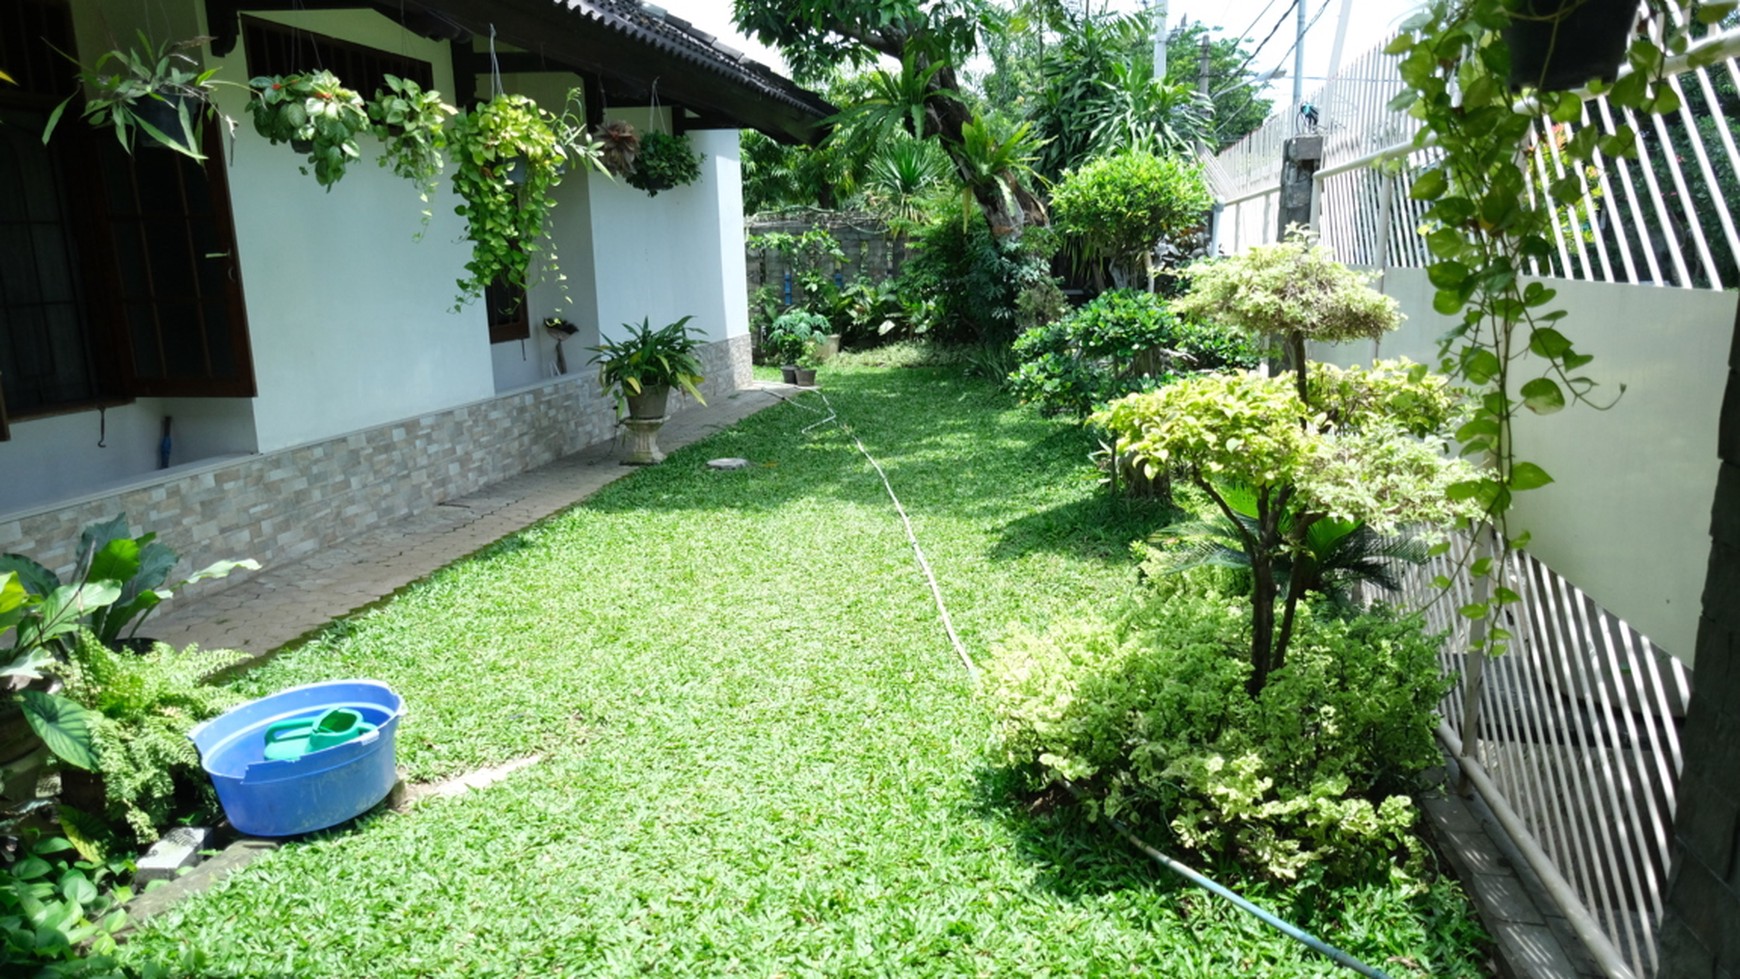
[
  {"x": 1700, "y": 934},
  {"x": 283, "y": 505}
]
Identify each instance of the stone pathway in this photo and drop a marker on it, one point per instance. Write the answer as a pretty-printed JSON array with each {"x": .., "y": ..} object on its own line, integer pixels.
[{"x": 257, "y": 612}]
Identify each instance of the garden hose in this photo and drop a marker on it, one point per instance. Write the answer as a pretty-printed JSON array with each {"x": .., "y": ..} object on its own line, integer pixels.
[{"x": 1287, "y": 928}]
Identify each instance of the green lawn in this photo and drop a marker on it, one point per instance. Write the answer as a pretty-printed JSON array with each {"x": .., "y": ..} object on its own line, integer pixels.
[{"x": 761, "y": 756}]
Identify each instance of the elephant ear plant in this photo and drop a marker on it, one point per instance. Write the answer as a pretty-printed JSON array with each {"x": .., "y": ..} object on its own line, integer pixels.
[
  {"x": 137, "y": 568},
  {"x": 118, "y": 581}
]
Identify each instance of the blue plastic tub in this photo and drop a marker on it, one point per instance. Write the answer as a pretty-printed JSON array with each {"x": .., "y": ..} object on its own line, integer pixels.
[{"x": 319, "y": 789}]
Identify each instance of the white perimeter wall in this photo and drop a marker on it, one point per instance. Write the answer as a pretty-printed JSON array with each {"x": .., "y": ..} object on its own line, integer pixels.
[{"x": 1628, "y": 516}]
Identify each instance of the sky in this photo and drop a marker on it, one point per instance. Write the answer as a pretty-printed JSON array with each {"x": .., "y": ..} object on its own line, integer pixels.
[{"x": 1368, "y": 23}]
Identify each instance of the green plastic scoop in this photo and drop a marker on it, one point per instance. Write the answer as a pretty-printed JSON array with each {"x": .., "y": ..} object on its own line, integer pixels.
[{"x": 288, "y": 740}]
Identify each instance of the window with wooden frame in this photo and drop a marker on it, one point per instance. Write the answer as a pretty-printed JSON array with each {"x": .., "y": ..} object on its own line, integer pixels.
[
  {"x": 118, "y": 275},
  {"x": 508, "y": 319},
  {"x": 278, "y": 49}
]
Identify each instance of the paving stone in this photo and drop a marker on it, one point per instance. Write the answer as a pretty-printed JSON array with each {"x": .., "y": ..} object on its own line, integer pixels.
[
  {"x": 178, "y": 849},
  {"x": 1532, "y": 951}
]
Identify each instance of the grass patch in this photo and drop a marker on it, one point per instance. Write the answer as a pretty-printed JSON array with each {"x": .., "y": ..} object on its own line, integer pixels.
[{"x": 762, "y": 756}]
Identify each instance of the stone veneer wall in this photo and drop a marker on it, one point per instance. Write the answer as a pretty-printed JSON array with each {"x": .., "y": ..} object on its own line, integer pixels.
[
  {"x": 283, "y": 505},
  {"x": 1700, "y": 931}
]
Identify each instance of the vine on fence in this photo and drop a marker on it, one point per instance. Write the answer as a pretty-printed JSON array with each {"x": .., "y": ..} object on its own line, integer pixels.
[{"x": 1487, "y": 229}]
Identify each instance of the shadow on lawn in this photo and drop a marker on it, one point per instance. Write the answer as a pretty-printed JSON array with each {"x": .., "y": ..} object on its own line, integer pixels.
[
  {"x": 1100, "y": 527},
  {"x": 1076, "y": 858}
]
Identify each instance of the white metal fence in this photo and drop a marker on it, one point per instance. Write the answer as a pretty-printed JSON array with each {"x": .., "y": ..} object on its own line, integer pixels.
[
  {"x": 1575, "y": 729},
  {"x": 1572, "y": 735},
  {"x": 1668, "y": 217}
]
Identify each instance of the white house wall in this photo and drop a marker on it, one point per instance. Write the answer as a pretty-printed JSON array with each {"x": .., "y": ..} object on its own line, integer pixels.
[
  {"x": 1627, "y": 517},
  {"x": 662, "y": 258},
  {"x": 350, "y": 318}
]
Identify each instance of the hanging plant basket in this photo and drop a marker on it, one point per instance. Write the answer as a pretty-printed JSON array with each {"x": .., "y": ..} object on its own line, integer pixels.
[
  {"x": 664, "y": 162},
  {"x": 316, "y": 115},
  {"x": 618, "y": 147},
  {"x": 1560, "y": 45}
]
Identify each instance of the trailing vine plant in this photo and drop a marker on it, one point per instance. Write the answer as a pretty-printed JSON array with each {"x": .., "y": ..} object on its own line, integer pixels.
[
  {"x": 1488, "y": 230},
  {"x": 413, "y": 123},
  {"x": 506, "y": 159},
  {"x": 509, "y": 155}
]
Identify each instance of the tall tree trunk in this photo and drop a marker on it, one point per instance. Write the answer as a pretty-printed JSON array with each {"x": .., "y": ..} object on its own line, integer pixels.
[{"x": 1008, "y": 206}]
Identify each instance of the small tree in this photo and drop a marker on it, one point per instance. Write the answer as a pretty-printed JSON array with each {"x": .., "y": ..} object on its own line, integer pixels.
[
  {"x": 1362, "y": 445},
  {"x": 1290, "y": 292},
  {"x": 1119, "y": 207}
]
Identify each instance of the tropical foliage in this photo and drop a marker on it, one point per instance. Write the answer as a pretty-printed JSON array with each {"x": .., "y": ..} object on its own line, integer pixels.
[
  {"x": 316, "y": 115},
  {"x": 1146, "y": 711},
  {"x": 1122, "y": 342},
  {"x": 1122, "y": 208}
]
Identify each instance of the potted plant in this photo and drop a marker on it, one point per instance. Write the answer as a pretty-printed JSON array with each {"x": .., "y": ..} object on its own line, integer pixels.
[
  {"x": 1558, "y": 45},
  {"x": 807, "y": 363},
  {"x": 159, "y": 90},
  {"x": 664, "y": 162},
  {"x": 640, "y": 369},
  {"x": 793, "y": 334},
  {"x": 413, "y": 124},
  {"x": 505, "y": 218},
  {"x": 316, "y": 115},
  {"x": 620, "y": 145}
]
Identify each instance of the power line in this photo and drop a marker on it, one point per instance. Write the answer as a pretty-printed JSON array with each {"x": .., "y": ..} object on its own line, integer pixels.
[
  {"x": 1255, "y": 20},
  {"x": 1251, "y": 91},
  {"x": 1259, "y": 48}
]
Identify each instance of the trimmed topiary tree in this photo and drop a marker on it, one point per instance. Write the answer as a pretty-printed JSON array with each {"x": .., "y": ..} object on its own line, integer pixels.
[
  {"x": 1361, "y": 445},
  {"x": 1120, "y": 207},
  {"x": 1291, "y": 291}
]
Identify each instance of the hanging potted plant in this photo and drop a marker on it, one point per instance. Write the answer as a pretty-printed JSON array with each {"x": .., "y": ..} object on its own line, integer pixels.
[
  {"x": 506, "y": 213},
  {"x": 413, "y": 124},
  {"x": 316, "y": 115},
  {"x": 1559, "y": 45},
  {"x": 158, "y": 90},
  {"x": 619, "y": 147},
  {"x": 664, "y": 162}
]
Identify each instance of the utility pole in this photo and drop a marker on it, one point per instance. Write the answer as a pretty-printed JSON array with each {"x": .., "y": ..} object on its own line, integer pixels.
[
  {"x": 1202, "y": 86},
  {"x": 1158, "y": 9},
  {"x": 1298, "y": 65}
]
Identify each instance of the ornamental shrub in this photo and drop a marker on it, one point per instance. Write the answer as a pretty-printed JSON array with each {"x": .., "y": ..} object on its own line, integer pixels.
[
  {"x": 794, "y": 333},
  {"x": 1120, "y": 207},
  {"x": 1122, "y": 342},
  {"x": 1147, "y": 712},
  {"x": 981, "y": 288},
  {"x": 142, "y": 707}
]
